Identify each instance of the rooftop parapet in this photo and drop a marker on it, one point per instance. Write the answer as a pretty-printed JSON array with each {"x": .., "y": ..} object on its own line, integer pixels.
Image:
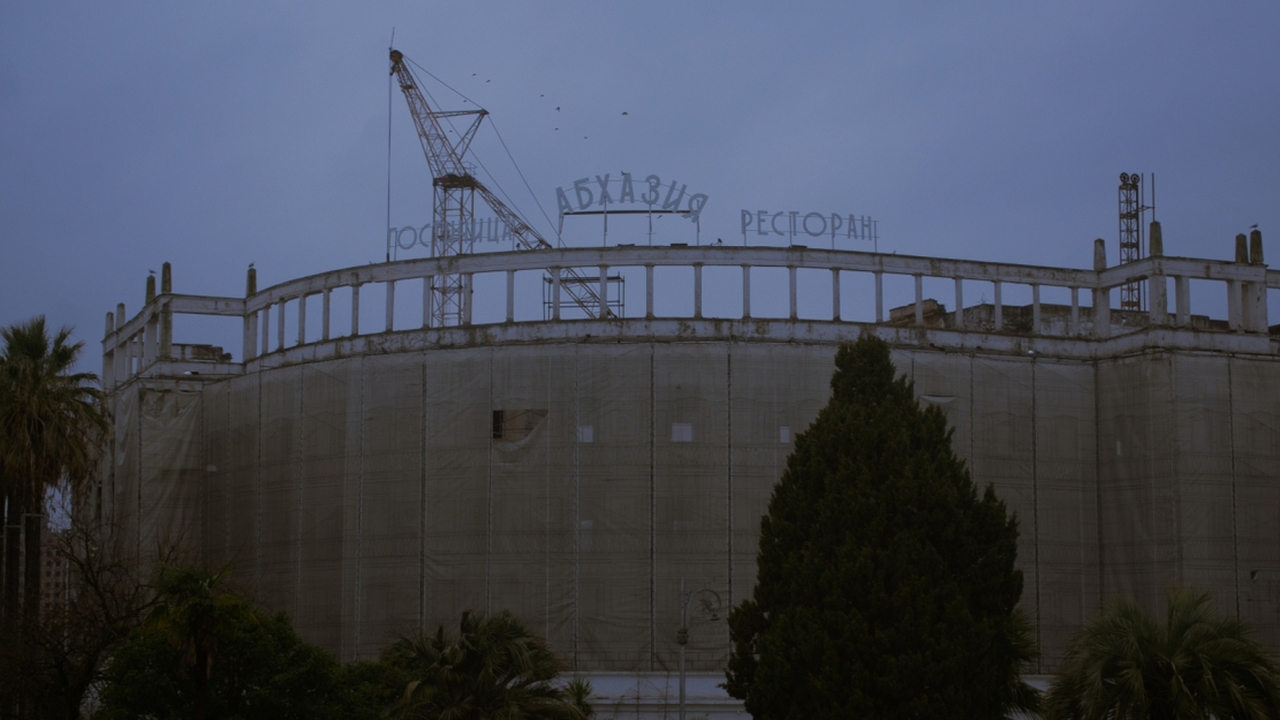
[{"x": 143, "y": 344}]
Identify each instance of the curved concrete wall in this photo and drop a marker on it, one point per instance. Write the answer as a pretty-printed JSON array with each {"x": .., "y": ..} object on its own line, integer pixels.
[{"x": 367, "y": 494}]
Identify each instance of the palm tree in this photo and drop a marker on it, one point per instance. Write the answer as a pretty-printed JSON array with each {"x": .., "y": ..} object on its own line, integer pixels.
[
  {"x": 496, "y": 669},
  {"x": 1125, "y": 665},
  {"x": 51, "y": 425},
  {"x": 193, "y": 611}
]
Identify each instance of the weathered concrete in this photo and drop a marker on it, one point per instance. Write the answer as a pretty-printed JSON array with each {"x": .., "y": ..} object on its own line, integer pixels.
[{"x": 358, "y": 482}]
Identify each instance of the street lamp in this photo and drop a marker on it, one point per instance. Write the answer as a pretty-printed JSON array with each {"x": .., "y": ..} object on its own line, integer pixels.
[{"x": 705, "y": 597}]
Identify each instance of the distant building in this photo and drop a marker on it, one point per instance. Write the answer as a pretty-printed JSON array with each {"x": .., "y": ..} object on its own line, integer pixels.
[{"x": 53, "y": 574}]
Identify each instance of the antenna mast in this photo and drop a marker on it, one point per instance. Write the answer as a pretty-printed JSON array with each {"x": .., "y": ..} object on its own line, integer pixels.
[{"x": 1132, "y": 206}]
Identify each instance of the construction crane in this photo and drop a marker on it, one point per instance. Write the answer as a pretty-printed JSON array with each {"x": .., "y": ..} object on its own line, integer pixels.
[{"x": 453, "y": 208}]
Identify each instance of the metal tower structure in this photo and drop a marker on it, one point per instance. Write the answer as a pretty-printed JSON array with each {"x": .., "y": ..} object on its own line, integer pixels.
[
  {"x": 1132, "y": 294},
  {"x": 453, "y": 209}
]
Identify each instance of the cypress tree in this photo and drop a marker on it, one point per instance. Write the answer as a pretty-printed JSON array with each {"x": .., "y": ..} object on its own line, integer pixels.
[{"x": 886, "y": 586}]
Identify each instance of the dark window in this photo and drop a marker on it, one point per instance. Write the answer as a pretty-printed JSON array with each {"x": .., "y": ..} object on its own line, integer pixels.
[{"x": 499, "y": 423}]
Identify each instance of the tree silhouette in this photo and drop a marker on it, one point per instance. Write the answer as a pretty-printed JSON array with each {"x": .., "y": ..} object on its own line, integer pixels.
[
  {"x": 495, "y": 669},
  {"x": 1125, "y": 664},
  {"x": 886, "y": 586}
]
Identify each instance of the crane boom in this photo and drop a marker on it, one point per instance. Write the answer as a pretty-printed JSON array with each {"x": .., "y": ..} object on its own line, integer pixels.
[{"x": 453, "y": 203}]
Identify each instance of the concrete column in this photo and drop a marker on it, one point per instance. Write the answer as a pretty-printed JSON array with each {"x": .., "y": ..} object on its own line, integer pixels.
[
  {"x": 1235, "y": 319},
  {"x": 150, "y": 338},
  {"x": 151, "y": 329},
  {"x": 998, "y": 306},
  {"x": 919, "y": 300},
  {"x": 252, "y": 330},
  {"x": 746, "y": 292},
  {"x": 1242, "y": 248},
  {"x": 130, "y": 352},
  {"x": 555, "y": 293},
  {"x": 1101, "y": 295},
  {"x": 511, "y": 295},
  {"x": 428, "y": 299},
  {"x": 1102, "y": 312},
  {"x": 324, "y": 314},
  {"x": 108, "y": 353},
  {"x": 791, "y": 284},
  {"x": 279, "y": 329},
  {"x": 280, "y": 308},
  {"x": 121, "y": 354},
  {"x": 264, "y": 317},
  {"x": 835, "y": 294},
  {"x": 466, "y": 299},
  {"x": 1255, "y": 247},
  {"x": 391, "y": 305},
  {"x": 1158, "y": 311},
  {"x": 1074, "y": 329},
  {"x": 166, "y": 312},
  {"x": 648, "y": 291},
  {"x": 249, "y": 342},
  {"x": 879, "y": 296},
  {"x": 697, "y": 290},
  {"x": 604, "y": 292},
  {"x": 959, "y": 304},
  {"x": 1182, "y": 300},
  {"x": 355, "y": 310},
  {"x": 1035, "y": 309},
  {"x": 302, "y": 319},
  {"x": 1259, "y": 313}
]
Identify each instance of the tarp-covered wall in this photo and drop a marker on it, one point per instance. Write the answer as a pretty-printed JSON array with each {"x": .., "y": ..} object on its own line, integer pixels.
[{"x": 577, "y": 484}]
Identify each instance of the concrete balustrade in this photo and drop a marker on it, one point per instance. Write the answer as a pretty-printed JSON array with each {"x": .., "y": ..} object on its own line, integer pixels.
[{"x": 131, "y": 346}]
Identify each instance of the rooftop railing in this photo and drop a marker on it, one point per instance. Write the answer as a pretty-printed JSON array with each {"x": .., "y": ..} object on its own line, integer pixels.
[{"x": 131, "y": 347}]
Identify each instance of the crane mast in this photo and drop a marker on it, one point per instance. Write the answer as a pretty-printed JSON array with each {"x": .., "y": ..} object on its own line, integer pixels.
[{"x": 453, "y": 209}]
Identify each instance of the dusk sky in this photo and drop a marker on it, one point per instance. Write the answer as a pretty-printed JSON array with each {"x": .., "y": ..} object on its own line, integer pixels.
[{"x": 212, "y": 135}]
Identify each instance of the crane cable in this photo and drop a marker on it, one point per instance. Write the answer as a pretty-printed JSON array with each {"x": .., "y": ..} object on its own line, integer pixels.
[{"x": 514, "y": 164}]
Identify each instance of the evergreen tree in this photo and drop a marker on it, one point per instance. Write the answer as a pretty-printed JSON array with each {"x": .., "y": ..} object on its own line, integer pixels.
[{"x": 886, "y": 586}]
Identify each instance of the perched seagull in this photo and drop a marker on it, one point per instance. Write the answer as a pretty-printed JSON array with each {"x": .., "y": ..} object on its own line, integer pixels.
[{"x": 1253, "y": 226}]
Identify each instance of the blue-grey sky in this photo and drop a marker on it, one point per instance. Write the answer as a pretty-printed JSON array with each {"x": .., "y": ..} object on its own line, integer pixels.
[{"x": 213, "y": 135}]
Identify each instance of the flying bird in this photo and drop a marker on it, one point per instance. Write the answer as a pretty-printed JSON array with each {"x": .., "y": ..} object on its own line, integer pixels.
[
  {"x": 624, "y": 112},
  {"x": 557, "y": 108}
]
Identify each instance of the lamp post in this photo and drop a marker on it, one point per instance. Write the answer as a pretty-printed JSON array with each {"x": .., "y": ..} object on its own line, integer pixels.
[{"x": 682, "y": 634}]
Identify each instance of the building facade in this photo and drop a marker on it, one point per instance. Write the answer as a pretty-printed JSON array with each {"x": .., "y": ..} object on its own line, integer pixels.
[{"x": 576, "y": 470}]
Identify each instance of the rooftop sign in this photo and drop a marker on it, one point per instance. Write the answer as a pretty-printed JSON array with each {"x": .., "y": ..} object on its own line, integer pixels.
[{"x": 594, "y": 197}]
